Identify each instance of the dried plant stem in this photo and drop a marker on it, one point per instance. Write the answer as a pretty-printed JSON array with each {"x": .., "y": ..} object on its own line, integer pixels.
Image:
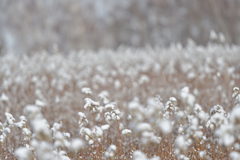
[
  {"x": 120, "y": 138},
  {"x": 171, "y": 145},
  {"x": 212, "y": 150},
  {"x": 96, "y": 142},
  {"x": 1, "y": 150},
  {"x": 10, "y": 138},
  {"x": 6, "y": 150}
]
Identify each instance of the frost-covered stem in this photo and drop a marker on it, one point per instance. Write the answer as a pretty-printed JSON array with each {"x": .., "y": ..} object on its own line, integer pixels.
[
  {"x": 171, "y": 146},
  {"x": 229, "y": 151},
  {"x": 81, "y": 153},
  {"x": 212, "y": 145},
  {"x": 29, "y": 143},
  {"x": 219, "y": 155},
  {"x": 119, "y": 133},
  {"x": 160, "y": 150},
  {"x": 1, "y": 150},
  {"x": 10, "y": 139},
  {"x": 96, "y": 143},
  {"x": 6, "y": 150},
  {"x": 77, "y": 157}
]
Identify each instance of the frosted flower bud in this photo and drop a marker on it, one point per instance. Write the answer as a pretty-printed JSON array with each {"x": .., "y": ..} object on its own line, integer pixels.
[
  {"x": 236, "y": 95},
  {"x": 60, "y": 141},
  {"x": 126, "y": 132},
  {"x": 169, "y": 106},
  {"x": 40, "y": 103},
  {"x": 235, "y": 115},
  {"x": 89, "y": 136},
  {"x": 197, "y": 109},
  {"x": 103, "y": 97},
  {"x": 183, "y": 157},
  {"x": 213, "y": 35},
  {"x": 217, "y": 109},
  {"x": 56, "y": 127},
  {"x": 143, "y": 79},
  {"x": 184, "y": 92},
  {"x": 20, "y": 125},
  {"x": 153, "y": 108},
  {"x": 135, "y": 107},
  {"x": 181, "y": 117},
  {"x": 149, "y": 138},
  {"x": 81, "y": 115},
  {"x": 173, "y": 100},
  {"x": 117, "y": 84},
  {"x": 111, "y": 106},
  {"x": 216, "y": 121},
  {"x": 203, "y": 155},
  {"x": 41, "y": 130},
  {"x": 180, "y": 130},
  {"x": 5, "y": 134},
  {"x": 110, "y": 153},
  {"x": 97, "y": 131},
  {"x": 76, "y": 145},
  {"x": 221, "y": 37},
  {"x": 86, "y": 91},
  {"x": 4, "y": 98},
  {"x": 234, "y": 155},
  {"x": 10, "y": 119},
  {"x": 187, "y": 97},
  {"x": 90, "y": 104},
  {"x": 138, "y": 155},
  {"x": 203, "y": 116},
  {"x": 83, "y": 120},
  {"x": 26, "y": 132},
  {"x": 180, "y": 145},
  {"x": 67, "y": 135},
  {"x": 165, "y": 126},
  {"x": 105, "y": 127},
  {"x": 23, "y": 118},
  {"x": 225, "y": 134},
  {"x": 23, "y": 154},
  {"x": 235, "y": 92},
  {"x": 143, "y": 127},
  {"x": 33, "y": 112}
]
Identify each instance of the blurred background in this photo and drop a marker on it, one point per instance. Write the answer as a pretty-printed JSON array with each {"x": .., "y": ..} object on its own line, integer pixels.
[{"x": 27, "y": 26}]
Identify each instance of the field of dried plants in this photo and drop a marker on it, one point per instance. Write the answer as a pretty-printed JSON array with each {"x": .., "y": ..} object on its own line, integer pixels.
[{"x": 141, "y": 104}]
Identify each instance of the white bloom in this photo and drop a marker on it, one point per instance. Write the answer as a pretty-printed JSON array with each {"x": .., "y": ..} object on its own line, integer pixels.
[
  {"x": 143, "y": 127},
  {"x": 165, "y": 127},
  {"x": 4, "y": 98},
  {"x": 90, "y": 104},
  {"x": 180, "y": 145},
  {"x": 10, "y": 119},
  {"x": 40, "y": 103},
  {"x": 126, "y": 131},
  {"x": 86, "y": 91},
  {"x": 217, "y": 109},
  {"x": 105, "y": 127},
  {"x": 76, "y": 145},
  {"x": 23, "y": 153},
  {"x": 110, "y": 151},
  {"x": 138, "y": 155}
]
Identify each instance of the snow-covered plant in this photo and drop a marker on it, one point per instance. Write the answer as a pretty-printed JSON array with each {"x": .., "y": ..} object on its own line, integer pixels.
[
  {"x": 23, "y": 153},
  {"x": 91, "y": 105},
  {"x": 236, "y": 95},
  {"x": 86, "y": 91},
  {"x": 110, "y": 153},
  {"x": 83, "y": 120}
]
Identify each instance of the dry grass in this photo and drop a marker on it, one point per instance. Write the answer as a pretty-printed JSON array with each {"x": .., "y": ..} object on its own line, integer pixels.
[{"x": 130, "y": 89}]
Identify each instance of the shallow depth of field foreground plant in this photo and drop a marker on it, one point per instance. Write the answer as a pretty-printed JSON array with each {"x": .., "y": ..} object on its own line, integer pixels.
[{"x": 141, "y": 104}]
